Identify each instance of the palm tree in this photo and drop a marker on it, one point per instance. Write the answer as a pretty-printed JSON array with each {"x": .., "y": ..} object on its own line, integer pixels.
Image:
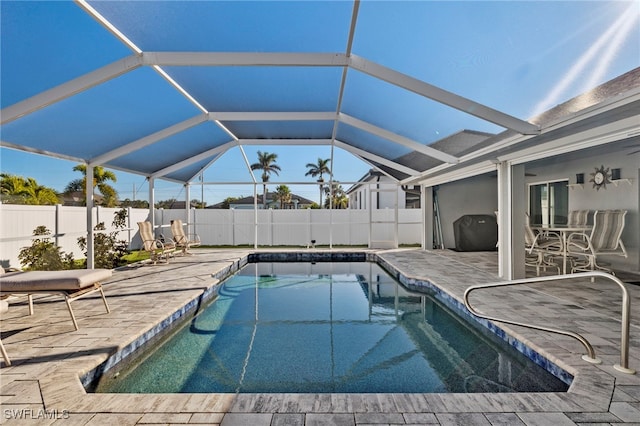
[
  {"x": 283, "y": 194},
  {"x": 337, "y": 200},
  {"x": 39, "y": 195},
  {"x": 100, "y": 179},
  {"x": 266, "y": 163},
  {"x": 18, "y": 190},
  {"x": 319, "y": 169}
]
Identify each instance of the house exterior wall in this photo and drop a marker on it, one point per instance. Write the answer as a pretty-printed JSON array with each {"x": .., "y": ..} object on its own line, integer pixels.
[
  {"x": 366, "y": 193},
  {"x": 476, "y": 195},
  {"x": 479, "y": 195},
  {"x": 625, "y": 195}
]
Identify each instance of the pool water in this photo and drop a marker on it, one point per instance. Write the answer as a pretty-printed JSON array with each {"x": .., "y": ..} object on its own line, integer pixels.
[{"x": 328, "y": 327}]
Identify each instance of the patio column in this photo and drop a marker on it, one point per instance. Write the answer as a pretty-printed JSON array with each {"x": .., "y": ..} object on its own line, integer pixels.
[
  {"x": 187, "y": 208},
  {"x": 152, "y": 203},
  {"x": 427, "y": 218},
  {"x": 89, "y": 203},
  {"x": 511, "y": 213}
]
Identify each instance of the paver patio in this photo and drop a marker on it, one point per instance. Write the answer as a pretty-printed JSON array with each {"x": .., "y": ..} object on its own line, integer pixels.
[{"x": 43, "y": 384}]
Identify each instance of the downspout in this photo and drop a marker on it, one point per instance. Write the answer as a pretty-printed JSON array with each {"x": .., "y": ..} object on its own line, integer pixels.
[{"x": 378, "y": 192}]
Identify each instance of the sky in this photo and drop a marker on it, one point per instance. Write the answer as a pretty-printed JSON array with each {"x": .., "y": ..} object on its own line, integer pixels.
[
  {"x": 231, "y": 167},
  {"x": 519, "y": 57}
]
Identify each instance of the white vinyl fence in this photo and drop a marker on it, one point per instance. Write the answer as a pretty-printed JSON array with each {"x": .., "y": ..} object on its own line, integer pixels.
[{"x": 213, "y": 226}]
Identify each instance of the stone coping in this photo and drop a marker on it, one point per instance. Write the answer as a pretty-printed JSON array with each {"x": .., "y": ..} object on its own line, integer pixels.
[{"x": 58, "y": 375}]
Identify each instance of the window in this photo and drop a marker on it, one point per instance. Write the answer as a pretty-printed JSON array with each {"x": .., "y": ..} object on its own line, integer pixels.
[{"x": 549, "y": 203}]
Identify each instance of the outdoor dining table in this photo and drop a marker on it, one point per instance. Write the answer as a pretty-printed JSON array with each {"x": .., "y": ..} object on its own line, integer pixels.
[{"x": 564, "y": 231}]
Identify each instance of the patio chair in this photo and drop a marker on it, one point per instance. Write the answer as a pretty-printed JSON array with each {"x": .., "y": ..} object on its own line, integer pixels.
[
  {"x": 578, "y": 217},
  {"x": 604, "y": 239},
  {"x": 182, "y": 240},
  {"x": 541, "y": 249},
  {"x": 157, "y": 248}
]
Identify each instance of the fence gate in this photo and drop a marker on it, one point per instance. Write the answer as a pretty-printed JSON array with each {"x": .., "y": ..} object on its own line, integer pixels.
[{"x": 383, "y": 223}]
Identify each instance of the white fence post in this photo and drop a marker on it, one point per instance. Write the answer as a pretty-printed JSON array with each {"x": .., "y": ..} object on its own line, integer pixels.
[{"x": 56, "y": 232}]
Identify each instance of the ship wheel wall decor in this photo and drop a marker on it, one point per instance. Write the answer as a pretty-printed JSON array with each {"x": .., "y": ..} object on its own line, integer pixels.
[{"x": 600, "y": 178}]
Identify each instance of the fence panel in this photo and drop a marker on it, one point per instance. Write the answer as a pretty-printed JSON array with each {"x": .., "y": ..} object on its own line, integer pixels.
[
  {"x": 215, "y": 227},
  {"x": 410, "y": 226}
]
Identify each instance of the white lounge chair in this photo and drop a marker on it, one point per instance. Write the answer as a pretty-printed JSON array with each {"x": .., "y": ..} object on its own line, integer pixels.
[
  {"x": 182, "y": 240},
  {"x": 71, "y": 284}
]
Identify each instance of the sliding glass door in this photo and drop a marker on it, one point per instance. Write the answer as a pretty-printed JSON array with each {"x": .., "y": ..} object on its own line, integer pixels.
[{"x": 549, "y": 203}]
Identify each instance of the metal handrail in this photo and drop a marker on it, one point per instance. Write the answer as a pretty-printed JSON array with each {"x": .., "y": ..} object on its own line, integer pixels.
[{"x": 590, "y": 356}]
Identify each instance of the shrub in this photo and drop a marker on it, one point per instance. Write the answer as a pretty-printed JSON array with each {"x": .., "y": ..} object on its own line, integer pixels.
[
  {"x": 107, "y": 249},
  {"x": 43, "y": 254}
]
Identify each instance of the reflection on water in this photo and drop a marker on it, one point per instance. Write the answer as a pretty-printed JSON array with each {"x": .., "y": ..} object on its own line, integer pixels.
[{"x": 328, "y": 327}]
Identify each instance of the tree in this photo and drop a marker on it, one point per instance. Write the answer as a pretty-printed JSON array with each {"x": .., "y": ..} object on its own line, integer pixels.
[
  {"x": 136, "y": 204},
  {"x": 337, "y": 200},
  {"x": 18, "y": 190},
  {"x": 226, "y": 203},
  {"x": 197, "y": 204},
  {"x": 266, "y": 163},
  {"x": 283, "y": 194},
  {"x": 166, "y": 204},
  {"x": 319, "y": 169},
  {"x": 100, "y": 179}
]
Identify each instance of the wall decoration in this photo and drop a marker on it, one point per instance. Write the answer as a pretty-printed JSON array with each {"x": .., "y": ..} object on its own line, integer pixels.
[{"x": 600, "y": 178}]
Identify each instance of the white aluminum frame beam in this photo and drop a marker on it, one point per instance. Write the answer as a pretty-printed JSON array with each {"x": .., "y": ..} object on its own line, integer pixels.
[
  {"x": 285, "y": 141},
  {"x": 375, "y": 158},
  {"x": 274, "y": 116},
  {"x": 149, "y": 139},
  {"x": 394, "y": 137},
  {"x": 442, "y": 96},
  {"x": 185, "y": 163},
  {"x": 611, "y": 132},
  {"x": 211, "y": 59},
  {"x": 70, "y": 88},
  {"x": 24, "y": 148}
]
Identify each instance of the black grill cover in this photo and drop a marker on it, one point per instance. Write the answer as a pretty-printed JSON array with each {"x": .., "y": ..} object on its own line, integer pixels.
[{"x": 476, "y": 232}]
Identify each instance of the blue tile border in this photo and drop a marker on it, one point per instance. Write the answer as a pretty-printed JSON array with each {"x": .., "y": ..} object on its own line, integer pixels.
[
  {"x": 461, "y": 310},
  {"x": 190, "y": 308},
  {"x": 415, "y": 284}
]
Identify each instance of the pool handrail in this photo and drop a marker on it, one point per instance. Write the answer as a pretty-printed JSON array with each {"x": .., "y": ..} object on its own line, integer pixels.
[{"x": 590, "y": 356}]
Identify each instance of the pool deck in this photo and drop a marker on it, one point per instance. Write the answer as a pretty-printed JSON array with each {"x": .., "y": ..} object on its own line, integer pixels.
[{"x": 42, "y": 386}]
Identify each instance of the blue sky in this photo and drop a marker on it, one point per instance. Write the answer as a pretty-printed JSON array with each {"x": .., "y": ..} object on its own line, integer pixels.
[
  {"x": 231, "y": 167},
  {"x": 519, "y": 57}
]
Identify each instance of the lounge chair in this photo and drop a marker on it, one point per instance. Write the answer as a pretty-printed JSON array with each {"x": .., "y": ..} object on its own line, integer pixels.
[
  {"x": 182, "y": 240},
  {"x": 157, "y": 248},
  {"x": 604, "y": 239},
  {"x": 72, "y": 284}
]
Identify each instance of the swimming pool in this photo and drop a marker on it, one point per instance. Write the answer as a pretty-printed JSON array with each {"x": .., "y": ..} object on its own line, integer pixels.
[{"x": 328, "y": 327}]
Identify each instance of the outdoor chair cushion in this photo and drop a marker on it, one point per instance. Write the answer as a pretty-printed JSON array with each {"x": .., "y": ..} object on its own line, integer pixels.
[{"x": 67, "y": 280}]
